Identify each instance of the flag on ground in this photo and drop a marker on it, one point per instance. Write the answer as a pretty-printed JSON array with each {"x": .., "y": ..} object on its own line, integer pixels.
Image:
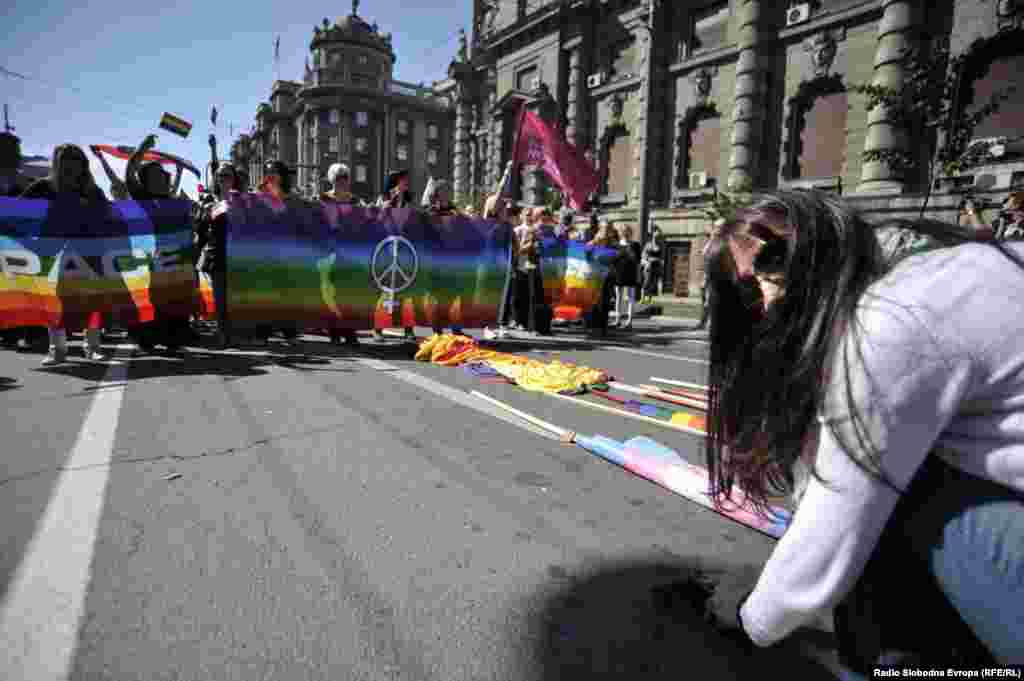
[
  {"x": 178, "y": 126},
  {"x": 538, "y": 143}
]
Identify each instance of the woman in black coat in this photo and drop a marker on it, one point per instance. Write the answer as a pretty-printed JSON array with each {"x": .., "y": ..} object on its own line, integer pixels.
[{"x": 627, "y": 276}]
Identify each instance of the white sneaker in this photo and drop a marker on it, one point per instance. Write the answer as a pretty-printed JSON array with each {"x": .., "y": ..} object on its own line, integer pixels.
[
  {"x": 54, "y": 357},
  {"x": 95, "y": 356}
]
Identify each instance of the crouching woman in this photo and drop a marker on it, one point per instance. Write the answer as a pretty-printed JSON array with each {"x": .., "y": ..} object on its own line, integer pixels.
[{"x": 899, "y": 390}]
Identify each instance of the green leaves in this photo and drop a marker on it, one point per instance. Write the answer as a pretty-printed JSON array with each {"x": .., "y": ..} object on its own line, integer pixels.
[{"x": 931, "y": 102}]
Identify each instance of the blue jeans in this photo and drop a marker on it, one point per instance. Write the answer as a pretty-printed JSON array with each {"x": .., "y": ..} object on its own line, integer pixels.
[{"x": 946, "y": 582}]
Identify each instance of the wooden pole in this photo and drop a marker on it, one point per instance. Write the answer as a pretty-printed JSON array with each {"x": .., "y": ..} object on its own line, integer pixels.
[
  {"x": 639, "y": 417},
  {"x": 684, "y": 384},
  {"x": 658, "y": 395}
]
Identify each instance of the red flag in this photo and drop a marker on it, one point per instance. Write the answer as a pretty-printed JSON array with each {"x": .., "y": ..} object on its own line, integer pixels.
[{"x": 541, "y": 144}]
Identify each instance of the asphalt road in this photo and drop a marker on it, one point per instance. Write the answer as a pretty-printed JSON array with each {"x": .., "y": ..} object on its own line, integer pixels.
[{"x": 272, "y": 513}]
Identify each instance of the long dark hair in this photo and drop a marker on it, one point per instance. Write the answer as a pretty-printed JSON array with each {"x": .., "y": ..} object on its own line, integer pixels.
[
  {"x": 766, "y": 368},
  {"x": 768, "y": 379}
]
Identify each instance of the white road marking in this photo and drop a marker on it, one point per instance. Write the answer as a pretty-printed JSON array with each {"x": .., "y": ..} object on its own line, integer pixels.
[
  {"x": 657, "y": 354},
  {"x": 43, "y": 608},
  {"x": 453, "y": 394}
]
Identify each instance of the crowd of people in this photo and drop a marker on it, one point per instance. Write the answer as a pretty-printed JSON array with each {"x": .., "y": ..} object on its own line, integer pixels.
[
  {"x": 876, "y": 375},
  {"x": 144, "y": 180}
]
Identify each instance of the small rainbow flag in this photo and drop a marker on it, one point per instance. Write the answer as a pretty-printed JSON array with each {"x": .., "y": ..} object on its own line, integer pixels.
[{"x": 179, "y": 126}]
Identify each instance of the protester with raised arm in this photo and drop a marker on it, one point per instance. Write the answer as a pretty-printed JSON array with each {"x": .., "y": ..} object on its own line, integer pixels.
[{"x": 118, "y": 189}]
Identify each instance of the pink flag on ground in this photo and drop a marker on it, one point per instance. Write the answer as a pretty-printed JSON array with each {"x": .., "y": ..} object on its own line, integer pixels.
[{"x": 541, "y": 144}]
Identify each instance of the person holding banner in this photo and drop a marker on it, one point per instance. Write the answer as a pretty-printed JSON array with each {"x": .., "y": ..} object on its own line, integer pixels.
[
  {"x": 396, "y": 195},
  {"x": 341, "y": 193},
  {"x": 439, "y": 204},
  {"x": 211, "y": 242},
  {"x": 899, "y": 386},
  {"x": 148, "y": 181},
  {"x": 597, "y": 318},
  {"x": 69, "y": 181},
  {"x": 277, "y": 181}
]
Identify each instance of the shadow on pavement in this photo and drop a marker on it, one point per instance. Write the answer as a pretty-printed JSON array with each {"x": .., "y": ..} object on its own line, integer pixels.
[
  {"x": 8, "y": 383},
  {"x": 608, "y": 624},
  {"x": 199, "y": 362}
]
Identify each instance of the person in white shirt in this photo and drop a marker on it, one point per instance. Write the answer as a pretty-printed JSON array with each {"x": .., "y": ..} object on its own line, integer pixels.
[{"x": 890, "y": 396}]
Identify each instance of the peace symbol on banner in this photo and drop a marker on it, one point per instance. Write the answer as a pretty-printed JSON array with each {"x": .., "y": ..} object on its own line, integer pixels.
[{"x": 386, "y": 266}]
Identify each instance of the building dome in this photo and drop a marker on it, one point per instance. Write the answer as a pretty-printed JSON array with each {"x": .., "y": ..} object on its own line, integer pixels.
[{"x": 352, "y": 29}]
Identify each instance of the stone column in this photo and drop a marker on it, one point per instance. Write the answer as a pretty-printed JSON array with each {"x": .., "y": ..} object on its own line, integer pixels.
[
  {"x": 883, "y": 132},
  {"x": 575, "y": 106},
  {"x": 747, "y": 107},
  {"x": 300, "y": 153},
  {"x": 498, "y": 150},
  {"x": 462, "y": 151}
]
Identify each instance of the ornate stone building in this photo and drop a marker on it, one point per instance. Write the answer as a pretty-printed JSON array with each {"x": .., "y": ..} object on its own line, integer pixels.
[
  {"x": 348, "y": 108},
  {"x": 677, "y": 100}
]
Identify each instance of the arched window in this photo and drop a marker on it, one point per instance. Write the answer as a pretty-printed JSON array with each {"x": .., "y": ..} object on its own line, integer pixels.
[
  {"x": 816, "y": 130},
  {"x": 698, "y": 146},
  {"x": 823, "y": 140},
  {"x": 995, "y": 65}
]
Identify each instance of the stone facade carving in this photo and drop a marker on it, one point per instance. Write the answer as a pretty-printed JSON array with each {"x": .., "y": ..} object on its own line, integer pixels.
[
  {"x": 702, "y": 84},
  {"x": 822, "y": 48},
  {"x": 1010, "y": 14}
]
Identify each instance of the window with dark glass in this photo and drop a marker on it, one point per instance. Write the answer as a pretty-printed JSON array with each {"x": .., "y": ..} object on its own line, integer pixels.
[
  {"x": 403, "y": 126},
  {"x": 362, "y": 119},
  {"x": 402, "y": 152},
  {"x": 1008, "y": 121},
  {"x": 432, "y": 156},
  {"x": 360, "y": 173},
  {"x": 361, "y": 145},
  {"x": 432, "y": 131},
  {"x": 709, "y": 27}
]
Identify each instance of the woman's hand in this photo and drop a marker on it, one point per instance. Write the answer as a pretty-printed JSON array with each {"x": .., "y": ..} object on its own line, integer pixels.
[{"x": 731, "y": 588}]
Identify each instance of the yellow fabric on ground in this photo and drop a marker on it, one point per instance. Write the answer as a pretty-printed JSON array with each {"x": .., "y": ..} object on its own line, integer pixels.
[{"x": 531, "y": 374}]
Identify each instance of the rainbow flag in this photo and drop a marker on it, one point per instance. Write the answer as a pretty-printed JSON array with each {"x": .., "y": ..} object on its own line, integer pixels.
[
  {"x": 179, "y": 126},
  {"x": 665, "y": 467},
  {"x": 573, "y": 274},
  {"x": 124, "y": 153},
  {"x": 62, "y": 264},
  {"x": 344, "y": 267}
]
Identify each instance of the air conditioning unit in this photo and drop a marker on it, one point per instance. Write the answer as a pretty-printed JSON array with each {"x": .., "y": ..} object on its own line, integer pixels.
[
  {"x": 595, "y": 80},
  {"x": 534, "y": 83},
  {"x": 698, "y": 180},
  {"x": 798, "y": 14}
]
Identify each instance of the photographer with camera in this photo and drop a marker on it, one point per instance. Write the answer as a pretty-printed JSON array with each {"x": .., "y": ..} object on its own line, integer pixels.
[
  {"x": 969, "y": 215},
  {"x": 1009, "y": 224}
]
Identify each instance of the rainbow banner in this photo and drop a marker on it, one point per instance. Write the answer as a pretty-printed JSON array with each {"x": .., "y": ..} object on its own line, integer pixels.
[
  {"x": 345, "y": 267},
  {"x": 64, "y": 264},
  {"x": 573, "y": 274}
]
